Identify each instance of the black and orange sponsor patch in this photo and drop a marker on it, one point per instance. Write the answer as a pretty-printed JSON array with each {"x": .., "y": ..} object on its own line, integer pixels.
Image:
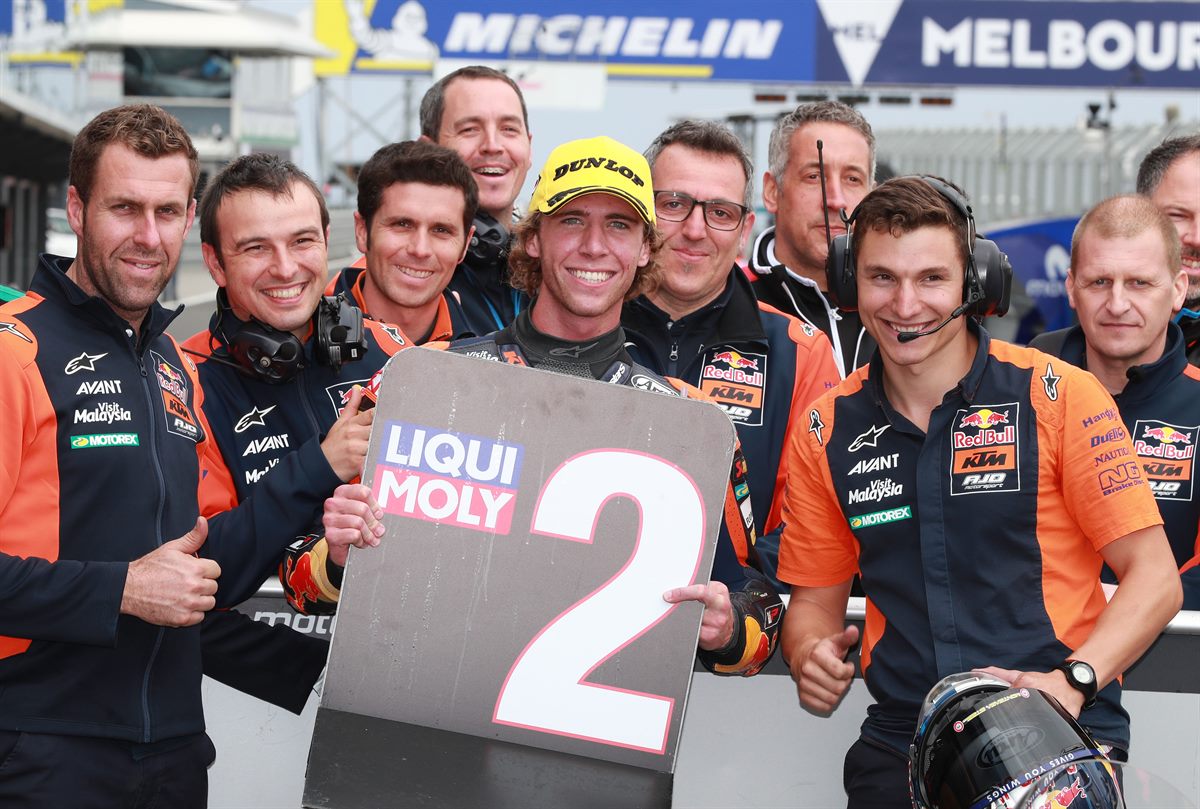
[
  {"x": 1167, "y": 452},
  {"x": 737, "y": 382},
  {"x": 984, "y": 454}
]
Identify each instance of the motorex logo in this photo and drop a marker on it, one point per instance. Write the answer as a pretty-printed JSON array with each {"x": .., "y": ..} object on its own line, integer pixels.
[
  {"x": 881, "y": 517},
  {"x": 436, "y": 475},
  {"x": 104, "y": 440}
]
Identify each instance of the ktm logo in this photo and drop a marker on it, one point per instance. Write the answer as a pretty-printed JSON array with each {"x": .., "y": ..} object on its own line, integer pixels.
[
  {"x": 984, "y": 418},
  {"x": 733, "y": 394},
  {"x": 982, "y": 460}
]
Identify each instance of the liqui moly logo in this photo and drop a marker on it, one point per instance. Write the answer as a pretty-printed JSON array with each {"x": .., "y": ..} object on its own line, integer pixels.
[{"x": 440, "y": 476}]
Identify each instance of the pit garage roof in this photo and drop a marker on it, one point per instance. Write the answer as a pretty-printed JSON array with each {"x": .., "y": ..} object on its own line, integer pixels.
[{"x": 195, "y": 24}]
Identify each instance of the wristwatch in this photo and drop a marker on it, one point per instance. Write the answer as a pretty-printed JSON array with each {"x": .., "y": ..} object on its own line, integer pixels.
[{"x": 1082, "y": 677}]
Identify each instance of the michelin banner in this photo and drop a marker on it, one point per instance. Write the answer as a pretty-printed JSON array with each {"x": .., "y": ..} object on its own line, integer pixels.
[{"x": 1059, "y": 43}]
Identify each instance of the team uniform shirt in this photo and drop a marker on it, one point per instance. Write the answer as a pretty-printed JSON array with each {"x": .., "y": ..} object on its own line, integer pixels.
[
  {"x": 793, "y": 293},
  {"x": 450, "y": 322},
  {"x": 758, "y": 364},
  {"x": 256, "y": 425},
  {"x": 978, "y": 541},
  {"x": 104, "y": 451},
  {"x": 1160, "y": 407}
]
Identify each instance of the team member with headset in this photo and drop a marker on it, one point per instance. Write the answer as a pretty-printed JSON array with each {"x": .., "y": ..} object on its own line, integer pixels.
[
  {"x": 946, "y": 471},
  {"x": 281, "y": 365}
]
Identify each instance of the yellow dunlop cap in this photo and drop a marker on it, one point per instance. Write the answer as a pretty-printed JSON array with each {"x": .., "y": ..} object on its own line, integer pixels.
[{"x": 594, "y": 166}]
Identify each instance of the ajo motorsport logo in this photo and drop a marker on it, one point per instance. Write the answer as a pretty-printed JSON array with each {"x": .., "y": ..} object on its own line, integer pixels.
[
  {"x": 1166, "y": 452},
  {"x": 440, "y": 476},
  {"x": 984, "y": 449},
  {"x": 737, "y": 382}
]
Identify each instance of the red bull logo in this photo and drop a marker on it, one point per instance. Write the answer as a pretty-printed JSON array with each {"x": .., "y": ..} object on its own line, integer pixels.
[
  {"x": 171, "y": 380},
  {"x": 984, "y": 419},
  {"x": 1159, "y": 440},
  {"x": 988, "y": 428},
  {"x": 739, "y": 369},
  {"x": 735, "y": 360},
  {"x": 1167, "y": 435},
  {"x": 1065, "y": 797}
]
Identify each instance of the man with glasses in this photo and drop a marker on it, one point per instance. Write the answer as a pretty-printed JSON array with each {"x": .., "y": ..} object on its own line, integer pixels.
[{"x": 702, "y": 323}]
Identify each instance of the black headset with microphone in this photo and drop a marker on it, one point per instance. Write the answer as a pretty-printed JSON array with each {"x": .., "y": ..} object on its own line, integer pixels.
[
  {"x": 987, "y": 282},
  {"x": 276, "y": 356}
]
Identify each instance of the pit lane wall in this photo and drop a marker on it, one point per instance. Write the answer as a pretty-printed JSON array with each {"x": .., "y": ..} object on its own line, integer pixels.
[{"x": 746, "y": 742}]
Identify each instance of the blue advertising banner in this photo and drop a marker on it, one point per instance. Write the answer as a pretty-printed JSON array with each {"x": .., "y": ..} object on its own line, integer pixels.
[
  {"x": 1012, "y": 42},
  {"x": 748, "y": 41},
  {"x": 1064, "y": 43},
  {"x": 1040, "y": 252}
]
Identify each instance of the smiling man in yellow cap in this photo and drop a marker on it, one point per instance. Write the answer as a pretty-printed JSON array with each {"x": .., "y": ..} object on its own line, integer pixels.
[{"x": 588, "y": 244}]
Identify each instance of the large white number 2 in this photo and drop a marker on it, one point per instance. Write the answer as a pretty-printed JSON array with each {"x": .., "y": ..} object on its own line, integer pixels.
[{"x": 546, "y": 689}]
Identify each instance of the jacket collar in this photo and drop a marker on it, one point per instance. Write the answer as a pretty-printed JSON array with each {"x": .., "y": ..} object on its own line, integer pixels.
[
  {"x": 735, "y": 311},
  {"x": 968, "y": 386},
  {"x": 51, "y": 282},
  {"x": 1143, "y": 380}
]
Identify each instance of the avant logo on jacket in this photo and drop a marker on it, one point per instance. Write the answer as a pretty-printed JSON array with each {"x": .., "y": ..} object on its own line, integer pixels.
[
  {"x": 737, "y": 382},
  {"x": 177, "y": 399},
  {"x": 984, "y": 451},
  {"x": 1166, "y": 452}
]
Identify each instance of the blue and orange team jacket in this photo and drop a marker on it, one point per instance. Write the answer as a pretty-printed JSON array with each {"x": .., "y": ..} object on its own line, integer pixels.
[
  {"x": 1160, "y": 407},
  {"x": 103, "y": 453},
  {"x": 256, "y": 425},
  {"x": 978, "y": 542},
  {"x": 763, "y": 368}
]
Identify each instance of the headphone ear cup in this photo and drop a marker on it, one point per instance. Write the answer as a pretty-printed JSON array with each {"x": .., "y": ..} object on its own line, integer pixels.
[
  {"x": 840, "y": 273},
  {"x": 994, "y": 273},
  {"x": 271, "y": 355}
]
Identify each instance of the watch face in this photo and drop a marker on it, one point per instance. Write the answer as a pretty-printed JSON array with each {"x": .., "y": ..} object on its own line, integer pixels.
[{"x": 1082, "y": 672}]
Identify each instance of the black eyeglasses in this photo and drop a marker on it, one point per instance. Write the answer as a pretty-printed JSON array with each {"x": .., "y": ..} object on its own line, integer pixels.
[{"x": 674, "y": 206}]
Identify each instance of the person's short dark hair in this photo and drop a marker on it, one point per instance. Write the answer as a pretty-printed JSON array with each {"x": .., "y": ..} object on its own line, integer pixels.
[
  {"x": 268, "y": 173},
  {"x": 831, "y": 112},
  {"x": 709, "y": 137},
  {"x": 146, "y": 129},
  {"x": 433, "y": 103},
  {"x": 1158, "y": 161},
  {"x": 904, "y": 204},
  {"x": 525, "y": 271},
  {"x": 415, "y": 161}
]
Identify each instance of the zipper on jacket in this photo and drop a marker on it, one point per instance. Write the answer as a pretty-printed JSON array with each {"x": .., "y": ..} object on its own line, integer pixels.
[{"x": 152, "y": 434}]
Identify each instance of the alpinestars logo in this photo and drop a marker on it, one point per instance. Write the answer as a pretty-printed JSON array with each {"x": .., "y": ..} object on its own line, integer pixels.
[
  {"x": 84, "y": 362},
  {"x": 858, "y": 28},
  {"x": 253, "y": 418},
  {"x": 11, "y": 328}
]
